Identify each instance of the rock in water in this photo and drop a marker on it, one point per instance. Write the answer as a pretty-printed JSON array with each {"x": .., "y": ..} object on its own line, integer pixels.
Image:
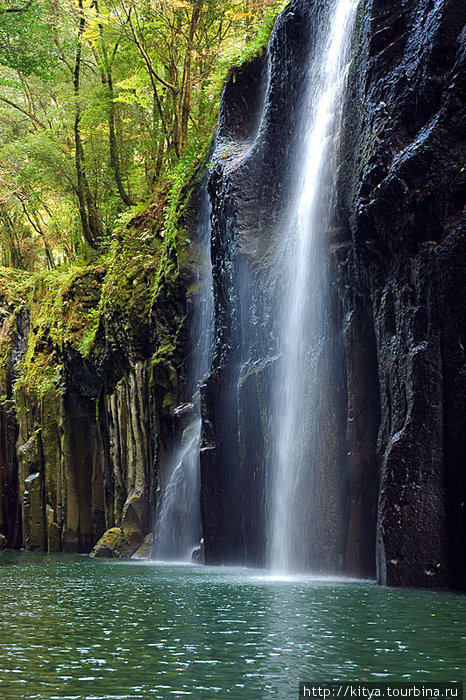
[{"x": 115, "y": 543}]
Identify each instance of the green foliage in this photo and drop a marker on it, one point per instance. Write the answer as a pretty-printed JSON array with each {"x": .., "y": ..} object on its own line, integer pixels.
[
  {"x": 150, "y": 78},
  {"x": 15, "y": 286},
  {"x": 25, "y": 37},
  {"x": 238, "y": 53},
  {"x": 70, "y": 291}
]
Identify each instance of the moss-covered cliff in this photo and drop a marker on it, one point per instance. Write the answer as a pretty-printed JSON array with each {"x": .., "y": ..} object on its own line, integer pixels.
[{"x": 92, "y": 366}]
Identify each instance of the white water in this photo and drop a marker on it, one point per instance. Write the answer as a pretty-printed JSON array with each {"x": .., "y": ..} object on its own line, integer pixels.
[
  {"x": 178, "y": 521},
  {"x": 302, "y": 311}
]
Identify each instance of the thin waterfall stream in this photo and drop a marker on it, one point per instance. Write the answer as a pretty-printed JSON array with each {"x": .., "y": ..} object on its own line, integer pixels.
[
  {"x": 178, "y": 529},
  {"x": 302, "y": 307}
]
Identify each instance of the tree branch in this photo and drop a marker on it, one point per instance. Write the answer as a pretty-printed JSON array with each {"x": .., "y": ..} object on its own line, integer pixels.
[
  {"x": 24, "y": 111},
  {"x": 16, "y": 9}
]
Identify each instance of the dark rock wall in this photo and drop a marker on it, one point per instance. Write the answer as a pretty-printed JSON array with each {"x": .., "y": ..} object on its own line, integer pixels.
[
  {"x": 402, "y": 258},
  {"x": 395, "y": 427},
  {"x": 80, "y": 470},
  {"x": 79, "y": 459},
  {"x": 10, "y": 508},
  {"x": 248, "y": 188}
]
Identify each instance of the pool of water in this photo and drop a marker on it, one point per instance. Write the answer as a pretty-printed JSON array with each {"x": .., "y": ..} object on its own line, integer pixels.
[{"x": 73, "y": 627}]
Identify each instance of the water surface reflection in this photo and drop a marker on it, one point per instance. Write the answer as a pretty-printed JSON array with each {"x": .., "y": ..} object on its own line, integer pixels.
[{"x": 71, "y": 627}]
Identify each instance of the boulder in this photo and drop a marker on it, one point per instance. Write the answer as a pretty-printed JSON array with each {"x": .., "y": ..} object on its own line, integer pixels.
[{"x": 115, "y": 543}]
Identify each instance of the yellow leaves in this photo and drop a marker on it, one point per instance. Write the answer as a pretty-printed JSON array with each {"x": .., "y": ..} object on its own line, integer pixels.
[
  {"x": 91, "y": 32},
  {"x": 96, "y": 130},
  {"x": 178, "y": 5},
  {"x": 133, "y": 90},
  {"x": 232, "y": 15},
  {"x": 93, "y": 19}
]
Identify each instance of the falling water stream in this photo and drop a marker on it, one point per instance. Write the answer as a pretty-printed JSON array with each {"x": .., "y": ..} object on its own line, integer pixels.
[
  {"x": 302, "y": 311},
  {"x": 178, "y": 521}
]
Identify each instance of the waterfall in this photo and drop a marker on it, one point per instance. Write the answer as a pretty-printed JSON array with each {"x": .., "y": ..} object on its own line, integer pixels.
[
  {"x": 178, "y": 521},
  {"x": 303, "y": 304}
]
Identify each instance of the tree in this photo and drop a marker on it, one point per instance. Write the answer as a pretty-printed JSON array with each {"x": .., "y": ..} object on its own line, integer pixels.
[
  {"x": 99, "y": 99},
  {"x": 90, "y": 219}
]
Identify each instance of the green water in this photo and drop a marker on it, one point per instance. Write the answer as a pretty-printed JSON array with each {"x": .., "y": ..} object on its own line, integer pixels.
[{"x": 71, "y": 627}]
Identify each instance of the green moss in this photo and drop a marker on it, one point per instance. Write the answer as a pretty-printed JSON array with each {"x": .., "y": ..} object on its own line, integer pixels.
[
  {"x": 169, "y": 403},
  {"x": 133, "y": 262},
  {"x": 116, "y": 542},
  {"x": 109, "y": 543},
  {"x": 62, "y": 306},
  {"x": 238, "y": 55}
]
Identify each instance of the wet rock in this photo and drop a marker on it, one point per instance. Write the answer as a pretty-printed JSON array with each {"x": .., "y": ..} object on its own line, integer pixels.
[
  {"x": 109, "y": 544},
  {"x": 406, "y": 248},
  {"x": 33, "y": 512},
  {"x": 54, "y": 543},
  {"x": 395, "y": 433},
  {"x": 133, "y": 518},
  {"x": 198, "y": 555},
  {"x": 183, "y": 416},
  {"x": 145, "y": 550},
  {"x": 114, "y": 543},
  {"x": 14, "y": 325},
  {"x": 82, "y": 471}
]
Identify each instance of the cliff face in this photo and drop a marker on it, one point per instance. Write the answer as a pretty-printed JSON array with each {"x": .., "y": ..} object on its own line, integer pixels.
[
  {"x": 85, "y": 435},
  {"x": 401, "y": 264},
  {"x": 391, "y": 446}
]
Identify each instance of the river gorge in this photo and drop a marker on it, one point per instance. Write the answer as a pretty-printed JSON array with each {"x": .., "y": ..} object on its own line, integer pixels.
[{"x": 283, "y": 427}]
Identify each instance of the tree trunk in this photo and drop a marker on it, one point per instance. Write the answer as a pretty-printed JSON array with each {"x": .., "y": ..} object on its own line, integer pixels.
[
  {"x": 90, "y": 220},
  {"x": 107, "y": 82},
  {"x": 12, "y": 255},
  {"x": 187, "y": 86},
  {"x": 34, "y": 221}
]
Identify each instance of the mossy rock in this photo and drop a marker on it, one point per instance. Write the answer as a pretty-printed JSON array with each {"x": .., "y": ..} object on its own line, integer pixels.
[
  {"x": 115, "y": 544},
  {"x": 33, "y": 513},
  {"x": 132, "y": 517},
  {"x": 53, "y": 531},
  {"x": 145, "y": 550},
  {"x": 108, "y": 544}
]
